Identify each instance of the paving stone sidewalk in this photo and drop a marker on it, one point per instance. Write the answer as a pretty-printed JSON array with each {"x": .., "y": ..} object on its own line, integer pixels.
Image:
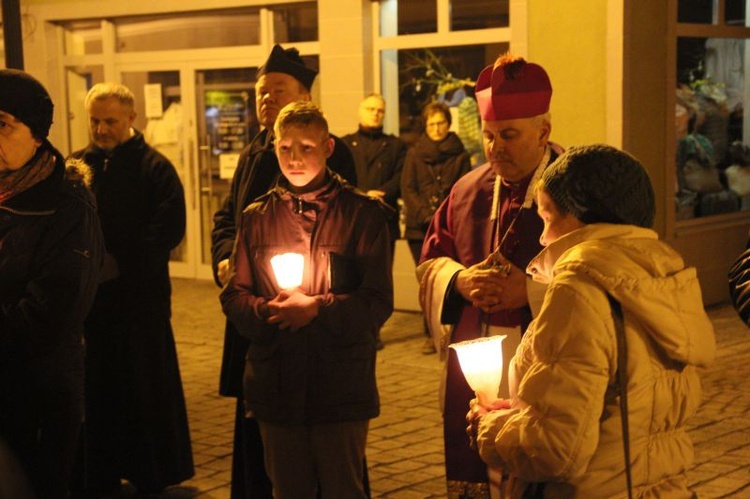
[{"x": 405, "y": 450}]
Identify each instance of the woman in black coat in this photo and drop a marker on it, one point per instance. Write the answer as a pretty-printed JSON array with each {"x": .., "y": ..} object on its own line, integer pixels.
[
  {"x": 432, "y": 166},
  {"x": 51, "y": 249}
]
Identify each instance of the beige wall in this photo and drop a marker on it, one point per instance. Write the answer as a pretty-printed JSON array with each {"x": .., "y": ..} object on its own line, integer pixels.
[
  {"x": 645, "y": 97},
  {"x": 345, "y": 60},
  {"x": 569, "y": 40}
]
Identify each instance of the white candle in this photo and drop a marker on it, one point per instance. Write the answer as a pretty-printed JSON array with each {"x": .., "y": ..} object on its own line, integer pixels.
[
  {"x": 288, "y": 269},
  {"x": 481, "y": 361}
]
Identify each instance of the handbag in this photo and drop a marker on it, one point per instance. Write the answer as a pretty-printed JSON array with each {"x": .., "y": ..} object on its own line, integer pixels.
[{"x": 622, "y": 383}]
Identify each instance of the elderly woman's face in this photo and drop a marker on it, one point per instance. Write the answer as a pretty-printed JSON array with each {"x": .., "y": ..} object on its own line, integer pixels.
[
  {"x": 556, "y": 224},
  {"x": 437, "y": 127},
  {"x": 17, "y": 144}
]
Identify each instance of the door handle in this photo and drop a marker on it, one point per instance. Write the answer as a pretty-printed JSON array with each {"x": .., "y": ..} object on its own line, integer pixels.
[
  {"x": 209, "y": 177},
  {"x": 191, "y": 167}
]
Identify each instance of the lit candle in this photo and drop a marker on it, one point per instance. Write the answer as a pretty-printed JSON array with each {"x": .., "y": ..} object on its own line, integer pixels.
[
  {"x": 288, "y": 269},
  {"x": 481, "y": 361}
]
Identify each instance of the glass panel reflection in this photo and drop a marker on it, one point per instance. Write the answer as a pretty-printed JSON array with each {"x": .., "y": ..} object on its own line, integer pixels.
[
  {"x": 735, "y": 12},
  {"x": 479, "y": 14},
  {"x": 226, "y": 124},
  {"x": 696, "y": 11},
  {"x": 225, "y": 28},
  {"x": 83, "y": 37},
  {"x": 159, "y": 116},
  {"x": 295, "y": 23},
  {"x": 417, "y": 16},
  {"x": 78, "y": 81},
  {"x": 713, "y": 138}
]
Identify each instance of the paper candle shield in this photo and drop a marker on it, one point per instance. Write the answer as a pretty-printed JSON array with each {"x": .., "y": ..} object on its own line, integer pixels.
[
  {"x": 481, "y": 361},
  {"x": 288, "y": 269}
]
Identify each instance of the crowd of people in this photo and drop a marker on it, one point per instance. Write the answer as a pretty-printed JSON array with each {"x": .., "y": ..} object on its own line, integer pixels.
[{"x": 551, "y": 248}]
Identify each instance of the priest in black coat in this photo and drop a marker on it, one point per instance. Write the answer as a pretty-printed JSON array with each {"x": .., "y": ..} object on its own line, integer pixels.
[{"x": 136, "y": 423}]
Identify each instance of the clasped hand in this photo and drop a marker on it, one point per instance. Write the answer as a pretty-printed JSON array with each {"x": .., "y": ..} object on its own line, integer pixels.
[
  {"x": 476, "y": 411},
  {"x": 292, "y": 309},
  {"x": 491, "y": 287}
]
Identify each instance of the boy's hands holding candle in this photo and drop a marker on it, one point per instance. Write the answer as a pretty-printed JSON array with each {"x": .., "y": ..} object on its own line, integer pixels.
[{"x": 292, "y": 309}]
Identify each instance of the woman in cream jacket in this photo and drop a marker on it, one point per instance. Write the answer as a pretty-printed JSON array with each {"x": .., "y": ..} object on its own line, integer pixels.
[{"x": 564, "y": 427}]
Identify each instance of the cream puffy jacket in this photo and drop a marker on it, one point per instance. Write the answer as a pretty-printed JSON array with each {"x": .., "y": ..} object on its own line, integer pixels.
[{"x": 566, "y": 429}]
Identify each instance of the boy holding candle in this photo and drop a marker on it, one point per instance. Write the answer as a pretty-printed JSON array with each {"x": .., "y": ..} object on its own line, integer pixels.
[{"x": 310, "y": 367}]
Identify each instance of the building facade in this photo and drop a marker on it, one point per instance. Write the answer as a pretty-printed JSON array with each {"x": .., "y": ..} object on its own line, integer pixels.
[{"x": 662, "y": 80}]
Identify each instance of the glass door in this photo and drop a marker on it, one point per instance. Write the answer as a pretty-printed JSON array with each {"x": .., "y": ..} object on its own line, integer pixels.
[
  {"x": 161, "y": 118},
  {"x": 200, "y": 119},
  {"x": 226, "y": 123}
]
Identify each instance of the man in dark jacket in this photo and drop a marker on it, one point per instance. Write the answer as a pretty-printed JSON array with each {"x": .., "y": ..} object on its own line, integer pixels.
[
  {"x": 51, "y": 249},
  {"x": 379, "y": 158},
  {"x": 284, "y": 78},
  {"x": 136, "y": 421}
]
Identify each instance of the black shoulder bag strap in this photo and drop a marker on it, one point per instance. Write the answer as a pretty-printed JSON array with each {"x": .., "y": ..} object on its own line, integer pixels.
[{"x": 622, "y": 383}]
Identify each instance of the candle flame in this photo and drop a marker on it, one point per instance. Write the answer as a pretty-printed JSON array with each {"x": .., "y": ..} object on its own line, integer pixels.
[{"x": 288, "y": 269}]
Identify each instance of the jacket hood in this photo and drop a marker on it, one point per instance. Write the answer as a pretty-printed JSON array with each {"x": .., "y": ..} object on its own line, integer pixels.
[
  {"x": 78, "y": 170},
  {"x": 646, "y": 276}
]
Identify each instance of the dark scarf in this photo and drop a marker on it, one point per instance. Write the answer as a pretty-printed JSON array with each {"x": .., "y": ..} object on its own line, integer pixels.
[
  {"x": 434, "y": 153},
  {"x": 14, "y": 182},
  {"x": 370, "y": 141}
]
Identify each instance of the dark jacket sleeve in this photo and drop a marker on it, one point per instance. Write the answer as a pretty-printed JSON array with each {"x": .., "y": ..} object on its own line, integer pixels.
[
  {"x": 342, "y": 161},
  {"x": 59, "y": 294},
  {"x": 739, "y": 285},
  {"x": 225, "y": 219},
  {"x": 238, "y": 297},
  {"x": 416, "y": 202},
  {"x": 167, "y": 227},
  {"x": 392, "y": 186}
]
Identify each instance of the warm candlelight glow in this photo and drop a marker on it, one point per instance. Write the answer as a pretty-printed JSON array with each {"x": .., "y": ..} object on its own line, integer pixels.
[
  {"x": 288, "y": 269},
  {"x": 481, "y": 362}
]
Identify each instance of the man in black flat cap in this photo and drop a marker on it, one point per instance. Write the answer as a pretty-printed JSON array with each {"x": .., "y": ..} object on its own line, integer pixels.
[{"x": 283, "y": 79}]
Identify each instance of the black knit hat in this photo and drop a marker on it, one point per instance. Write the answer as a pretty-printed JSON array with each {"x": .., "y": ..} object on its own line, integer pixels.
[
  {"x": 27, "y": 100},
  {"x": 288, "y": 61},
  {"x": 601, "y": 184}
]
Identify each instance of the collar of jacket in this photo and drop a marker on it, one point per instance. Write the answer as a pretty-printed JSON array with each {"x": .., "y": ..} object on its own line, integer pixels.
[
  {"x": 309, "y": 203},
  {"x": 371, "y": 133},
  {"x": 437, "y": 152},
  {"x": 134, "y": 143},
  {"x": 265, "y": 139},
  {"x": 541, "y": 267}
]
